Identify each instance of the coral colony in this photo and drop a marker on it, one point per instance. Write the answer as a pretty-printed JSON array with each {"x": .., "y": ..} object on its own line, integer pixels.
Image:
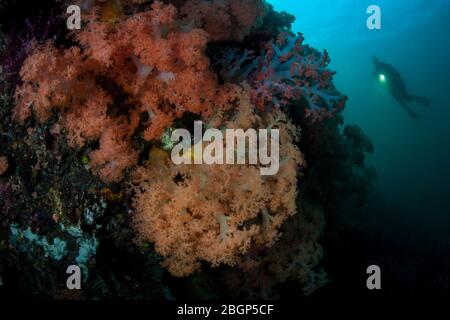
[{"x": 173, "y": 134}]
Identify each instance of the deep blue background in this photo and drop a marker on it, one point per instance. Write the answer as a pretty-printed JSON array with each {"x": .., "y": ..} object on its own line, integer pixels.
[
  {"x": 409, "y": 208},
  {"x": 412, "y": 157}
]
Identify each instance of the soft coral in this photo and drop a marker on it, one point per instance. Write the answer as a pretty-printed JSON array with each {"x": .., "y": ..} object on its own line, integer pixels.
[
  {"x": 215, "y": 213},
  {"x": 162, "y": 70},
  {"x": 224, "y": 20},
  {"x": 286, "y": 70}
]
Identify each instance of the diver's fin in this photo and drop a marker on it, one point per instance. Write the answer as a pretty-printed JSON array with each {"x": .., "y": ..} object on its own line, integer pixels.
[
  {"x": 413, "y": 115},
  {"x": 405, "y": 106},
  {"x": 422, "y": 100}
]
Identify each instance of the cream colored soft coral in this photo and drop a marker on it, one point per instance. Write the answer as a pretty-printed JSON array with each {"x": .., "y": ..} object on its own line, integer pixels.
[{"x": 215, "y": 213}]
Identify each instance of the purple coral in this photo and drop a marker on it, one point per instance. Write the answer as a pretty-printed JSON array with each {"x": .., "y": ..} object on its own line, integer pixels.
[{"x": 287, "y": 70}]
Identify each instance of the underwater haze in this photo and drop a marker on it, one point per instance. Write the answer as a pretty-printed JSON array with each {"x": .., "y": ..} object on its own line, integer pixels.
[{"x": 409, "y": 204}]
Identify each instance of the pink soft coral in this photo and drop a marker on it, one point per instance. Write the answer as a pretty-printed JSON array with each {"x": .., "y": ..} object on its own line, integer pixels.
[{"x": 216, "y": 213}]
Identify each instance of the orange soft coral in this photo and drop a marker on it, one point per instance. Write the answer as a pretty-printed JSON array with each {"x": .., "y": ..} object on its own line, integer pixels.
[
  {"x": 215, "y": 213},
  {"x": 295, "y": 257},
  {"x": 224, "y": 19},
  {"x": 115, "y": 153},
  {"x": 148, "y": 57}
]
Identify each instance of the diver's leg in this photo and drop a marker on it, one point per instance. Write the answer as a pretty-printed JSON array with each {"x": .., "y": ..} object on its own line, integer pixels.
[
  {"x": 425, "y": 101},
  {"x": 405, "y": 106}
]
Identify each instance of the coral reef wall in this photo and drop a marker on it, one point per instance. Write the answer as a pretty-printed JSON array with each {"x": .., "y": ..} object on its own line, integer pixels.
[{"x": 85, "y": 170}]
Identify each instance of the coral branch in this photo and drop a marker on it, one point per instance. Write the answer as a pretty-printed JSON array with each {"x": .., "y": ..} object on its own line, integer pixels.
[{"x": 287, "y": 70}]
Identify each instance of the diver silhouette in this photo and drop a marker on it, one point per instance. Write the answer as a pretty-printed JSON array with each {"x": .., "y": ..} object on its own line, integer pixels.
[{"x": 389, "y": 77}]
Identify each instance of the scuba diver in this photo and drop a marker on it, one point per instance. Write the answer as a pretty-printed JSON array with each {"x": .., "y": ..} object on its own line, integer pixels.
[{"x": 389, "y": 77}]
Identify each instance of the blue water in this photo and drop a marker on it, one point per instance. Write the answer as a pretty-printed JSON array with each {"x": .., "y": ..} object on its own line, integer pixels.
[{"x": 412, "y": 157}]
